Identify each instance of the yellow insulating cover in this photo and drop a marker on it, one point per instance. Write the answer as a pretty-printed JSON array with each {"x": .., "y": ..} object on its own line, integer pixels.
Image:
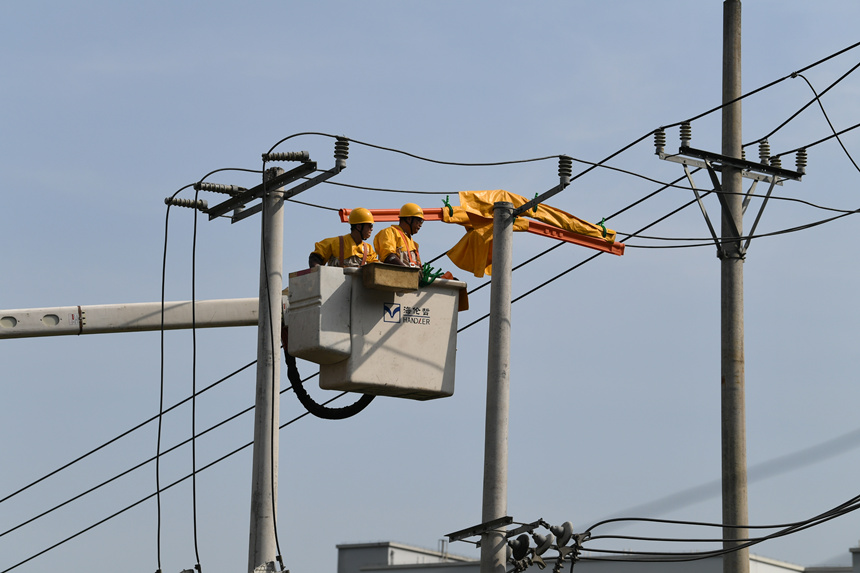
[{"x": 474, "y": 251}]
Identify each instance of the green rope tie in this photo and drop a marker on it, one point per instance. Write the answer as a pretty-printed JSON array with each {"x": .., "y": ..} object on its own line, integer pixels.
[
  {"x": 447, "y": 204},
  {"x": 536, "y": 204},
  {"x": 602, "y": 226}
]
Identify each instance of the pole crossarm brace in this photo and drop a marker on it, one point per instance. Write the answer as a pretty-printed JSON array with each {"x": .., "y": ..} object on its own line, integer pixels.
[
  {"x": 539, "y": 199},
  {"x": 480, "y": 528},
  {"x": 257, "y": 191}
]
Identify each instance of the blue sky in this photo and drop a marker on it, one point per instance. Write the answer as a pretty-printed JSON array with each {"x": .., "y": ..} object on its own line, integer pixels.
[{"x": 110, "y": 107}]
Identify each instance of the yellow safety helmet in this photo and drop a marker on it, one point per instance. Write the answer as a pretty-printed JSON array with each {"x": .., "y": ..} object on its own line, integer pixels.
[
  {"x": 359, "y": 216},
  {"x": 411, "y": 210}
]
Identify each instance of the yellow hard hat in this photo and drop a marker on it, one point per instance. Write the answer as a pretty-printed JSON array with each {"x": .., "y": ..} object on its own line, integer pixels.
[
  {"x": 411, "y": 210},
  {"x": 359, "y": 216}
]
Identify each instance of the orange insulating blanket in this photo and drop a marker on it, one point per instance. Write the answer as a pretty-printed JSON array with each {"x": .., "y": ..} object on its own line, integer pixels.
[{"x": 474, "y": 251}]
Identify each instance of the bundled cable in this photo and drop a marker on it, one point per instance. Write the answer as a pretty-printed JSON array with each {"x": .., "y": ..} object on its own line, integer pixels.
[{"x": 318, "y": 410}]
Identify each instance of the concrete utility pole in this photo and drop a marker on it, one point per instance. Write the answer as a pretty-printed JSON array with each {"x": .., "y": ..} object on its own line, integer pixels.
[
  {"x": 734, "y": 470},
  {"x": 263, "y": 550},
  {"x": 495, "y": 497}
]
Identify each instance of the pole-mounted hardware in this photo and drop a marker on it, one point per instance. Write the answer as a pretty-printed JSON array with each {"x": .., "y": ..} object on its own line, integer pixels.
[
  {"x": 768, "y": 168},
  {"x": 480, "y": 528},
  {"x": 565, "y": 169},
  {"x": 219, "y": 188},
  {"x": 200, "y": 204},
  {"x": 520, "y": 552},
  {"x": 302, "y": 156}
]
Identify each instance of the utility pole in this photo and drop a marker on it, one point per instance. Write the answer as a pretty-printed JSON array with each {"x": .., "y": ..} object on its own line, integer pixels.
[
  {"x": 263, "y": 549},
  {"x": 734, "y": 471},
  {"x": 495, "y": 495}
]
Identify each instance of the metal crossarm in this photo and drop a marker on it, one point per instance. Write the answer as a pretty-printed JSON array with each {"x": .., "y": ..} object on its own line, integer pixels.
[
  {"x": 291, "y": 193},
  {"x": 257, "y": 191},
  {"x": 741, "y": 164}
]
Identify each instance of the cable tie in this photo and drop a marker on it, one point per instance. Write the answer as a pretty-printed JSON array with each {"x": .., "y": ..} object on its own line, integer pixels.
[{"x": 602, "y": 226}]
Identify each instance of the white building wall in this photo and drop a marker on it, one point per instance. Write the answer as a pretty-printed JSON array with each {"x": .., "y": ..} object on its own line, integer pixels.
[{"x": 398, "y": 558}]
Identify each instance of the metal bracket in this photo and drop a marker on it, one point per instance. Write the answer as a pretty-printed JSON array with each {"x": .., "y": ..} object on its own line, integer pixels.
[
  {"x": 480, "y": 528},
  {"x": 537, "y": 200},
  {"x": 758, "y": 216},
  {"x": 720, "y": 252},
  {"x": 733, "y": 228},
  {"x": 527, "y": 527}
]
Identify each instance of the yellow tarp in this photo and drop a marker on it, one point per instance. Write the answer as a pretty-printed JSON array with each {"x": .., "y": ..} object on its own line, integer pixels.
[{"x": 474, "y": 252}]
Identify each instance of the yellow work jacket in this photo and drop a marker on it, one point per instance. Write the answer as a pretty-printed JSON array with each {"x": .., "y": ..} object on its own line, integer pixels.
[
  {"x": 395, "y": 240},
  {"x": 343, "y": 252}
]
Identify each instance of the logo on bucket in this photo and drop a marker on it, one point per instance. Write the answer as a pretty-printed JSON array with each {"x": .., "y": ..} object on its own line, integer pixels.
[{"x": 391, "y": 312}]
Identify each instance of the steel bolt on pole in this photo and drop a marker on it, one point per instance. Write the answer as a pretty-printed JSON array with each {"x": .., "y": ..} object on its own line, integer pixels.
[
  {"x": 734, "y": 471},
  {"x": 264, "y": 481},
  {"x": 495, "y": 493}
]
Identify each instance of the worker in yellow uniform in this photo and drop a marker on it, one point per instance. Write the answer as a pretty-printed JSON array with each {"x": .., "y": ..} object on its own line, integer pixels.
[
  {"x": 348, "y": 250},
  {"x": 395, "y": 245}
]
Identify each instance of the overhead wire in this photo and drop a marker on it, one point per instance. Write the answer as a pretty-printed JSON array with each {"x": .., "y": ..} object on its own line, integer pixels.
[
  {"x": 798, "y": 112},
  {"x": 143, "y": 463},
  {"x": 150, "y": 496},
  {"x": 125, "y": 472},
  {"x": 121, "y": 435},
  {"x": 635, "y": 234},
  {"x": 833, "y": 129},
  {"x": 161, "y": 383},
  {"x": 758, "y": 472},
  {"x": 784, "y": 529}
]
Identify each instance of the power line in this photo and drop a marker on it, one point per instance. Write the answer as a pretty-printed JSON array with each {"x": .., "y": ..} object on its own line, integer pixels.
[
  {"x": 758, "y": 472},
  {"x": 809, "y": 103},
  {"x": 122, "y": 435},
  {"x": 785, "y": 529},
  {"x": 833, "y": 129},
  {"x": 180, "y": 480}
]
